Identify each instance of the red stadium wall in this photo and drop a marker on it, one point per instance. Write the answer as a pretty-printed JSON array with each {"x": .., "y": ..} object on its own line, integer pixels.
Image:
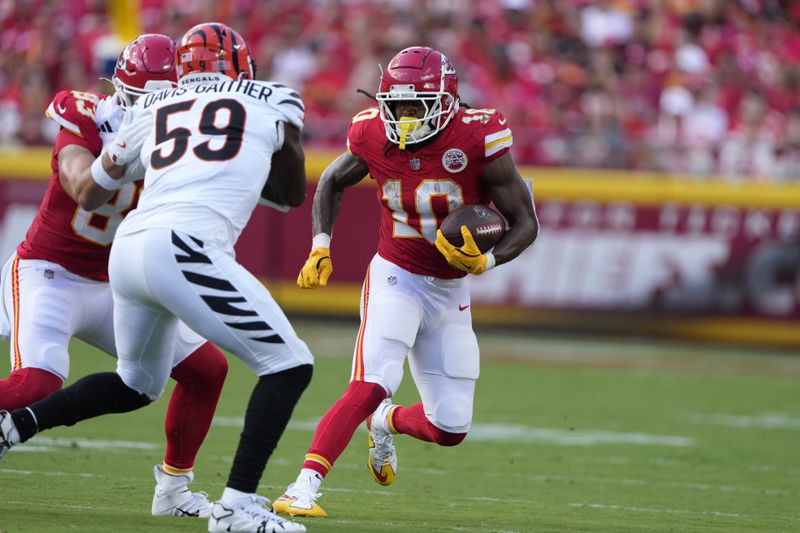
[{"x": 618, "y": 251}]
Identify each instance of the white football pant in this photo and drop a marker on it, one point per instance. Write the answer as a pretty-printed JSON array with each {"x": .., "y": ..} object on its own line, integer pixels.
[
  {"x": 159, "y": 276},
  {"x": 46, "y": 305},
  {"x": 427, "y": 319}
]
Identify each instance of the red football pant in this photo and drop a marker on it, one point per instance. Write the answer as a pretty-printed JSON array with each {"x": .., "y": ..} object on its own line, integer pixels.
[
  {"x": 411, "y": 420},
  {"x": 336, "y": 428},
  {"x": 191, "y": 408}
]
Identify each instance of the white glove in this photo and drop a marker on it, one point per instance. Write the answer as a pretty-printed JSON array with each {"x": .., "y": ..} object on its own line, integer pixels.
[{"x": 130, "y": 138}]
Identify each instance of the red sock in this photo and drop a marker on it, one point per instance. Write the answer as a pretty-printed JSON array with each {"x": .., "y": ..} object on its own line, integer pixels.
[
  {"x": 25, "y": 386},
  {"x": 336, "y": 428},
  {"x": 192, "y": 404},
  {"x": 412, "y": 421}
]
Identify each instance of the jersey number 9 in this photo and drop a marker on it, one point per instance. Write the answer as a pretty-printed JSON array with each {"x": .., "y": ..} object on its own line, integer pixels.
[{"x": 232, "y": 132}]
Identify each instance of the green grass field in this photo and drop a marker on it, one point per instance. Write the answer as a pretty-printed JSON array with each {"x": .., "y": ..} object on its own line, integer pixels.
[{"x": 570, "y": 434}]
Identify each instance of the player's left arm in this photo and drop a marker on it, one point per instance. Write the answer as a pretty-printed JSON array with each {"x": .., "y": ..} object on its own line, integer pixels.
[
  {"x": 512, "y": 198},
  {"x": 286, "y": 184}
]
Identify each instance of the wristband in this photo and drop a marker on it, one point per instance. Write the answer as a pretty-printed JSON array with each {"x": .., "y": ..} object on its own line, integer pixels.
[
  {"x": 321, "y": 240},
  {"x": 490, "y": 261},
  {"x": 101, "y": 176}
]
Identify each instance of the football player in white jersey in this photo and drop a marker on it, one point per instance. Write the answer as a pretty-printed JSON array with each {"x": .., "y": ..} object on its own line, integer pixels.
[
  {"x": 211, "y": 147},
  {"x": 55, "y": 286}
]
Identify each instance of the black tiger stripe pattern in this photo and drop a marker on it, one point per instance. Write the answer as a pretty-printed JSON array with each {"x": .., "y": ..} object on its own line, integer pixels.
[{"x": 222, "y": 304}]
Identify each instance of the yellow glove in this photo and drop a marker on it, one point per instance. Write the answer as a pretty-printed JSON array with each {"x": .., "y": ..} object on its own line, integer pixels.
[
  {"x": 467, "y": 257},
  {"x": 316, "y": 270}
]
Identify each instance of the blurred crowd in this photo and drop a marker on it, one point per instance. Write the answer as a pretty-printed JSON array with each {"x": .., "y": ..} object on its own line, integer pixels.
[{"x": 702, "y": 87}]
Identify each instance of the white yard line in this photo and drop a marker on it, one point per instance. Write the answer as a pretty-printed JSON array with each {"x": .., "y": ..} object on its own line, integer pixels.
[
  {"x": 40, "y": 443},
  {"x": 652, "y": 510},
  {"x": 522, "y": 433},
  {"x": 497, "y": 500},
  {"x": 50, "y": 503},
  {"x": 634, "y": 509},
  {"x": 561, "y": 437},
  {"x": 705, "y": 487},
  {"x": 543, "y": 478},
  {"x": 768, "y": 420},
  {"x": 48, "y": 473}
]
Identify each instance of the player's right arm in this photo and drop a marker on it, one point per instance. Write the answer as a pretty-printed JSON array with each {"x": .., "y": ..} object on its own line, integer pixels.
[
  {"x": 75, "y": 173},
  {"x": 345, "y": 171},
  {"x": 76, "y": 144}
]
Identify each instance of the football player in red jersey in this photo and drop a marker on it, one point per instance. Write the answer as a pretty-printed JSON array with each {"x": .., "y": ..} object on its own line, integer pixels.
[
  {"x": 56, "y": 285},
  {"x": 427, "y": 156}
]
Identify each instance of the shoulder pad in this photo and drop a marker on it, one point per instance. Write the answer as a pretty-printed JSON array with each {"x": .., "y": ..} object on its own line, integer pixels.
[
  {"x": 357, "y": 134},
  {"x": 289, "y": 103},
  {"x": 75, "y": 111},
  {"x": 367, "y": 114},
  {"x": 493, "y": 128}
]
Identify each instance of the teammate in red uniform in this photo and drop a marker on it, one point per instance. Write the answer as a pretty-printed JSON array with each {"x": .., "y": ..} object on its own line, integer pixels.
[
  {"x": 415, "y": 300},
  {"x": 56, "y": 285}
]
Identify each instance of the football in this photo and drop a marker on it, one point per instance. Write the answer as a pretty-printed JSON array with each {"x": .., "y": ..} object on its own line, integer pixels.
[{"x": 486, "y": 225}]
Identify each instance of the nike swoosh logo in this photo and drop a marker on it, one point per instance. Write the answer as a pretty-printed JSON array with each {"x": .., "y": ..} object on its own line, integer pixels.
[
  {"x": 380, "y": 475},
  {"x": 502, "y": 121},
  {"x": 122, "y": 145},
  {"x": 462, "y": 307},
  {"x": 61, "y": 109}
]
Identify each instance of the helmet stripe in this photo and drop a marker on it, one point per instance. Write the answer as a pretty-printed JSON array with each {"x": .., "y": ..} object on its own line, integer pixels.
[
  {"x": 220, "y": 39},
  {"x": 201, "y": 32},
  {"x": 218, "y": 31},
  {"x": 235, "y": 53}
]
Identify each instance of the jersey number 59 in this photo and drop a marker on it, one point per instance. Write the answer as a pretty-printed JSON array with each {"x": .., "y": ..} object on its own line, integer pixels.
[{"x": 231, "y": 129}]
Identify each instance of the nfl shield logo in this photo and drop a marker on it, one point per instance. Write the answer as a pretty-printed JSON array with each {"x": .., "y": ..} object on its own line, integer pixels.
[
  {"x": 414, "y": 163},
  {"x": 391, "y": 280},
  {"x": 454, "y": 160}
]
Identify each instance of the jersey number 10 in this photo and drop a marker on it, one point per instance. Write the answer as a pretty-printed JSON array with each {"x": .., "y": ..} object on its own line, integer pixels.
[{"x": 420, "y": 219}]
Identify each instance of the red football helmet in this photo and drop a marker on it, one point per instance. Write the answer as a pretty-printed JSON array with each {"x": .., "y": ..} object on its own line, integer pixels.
[
  {"x": 214, "y": 47},
  {"x": 423, "y": 75},
  {"x": 145, "y": 65}
]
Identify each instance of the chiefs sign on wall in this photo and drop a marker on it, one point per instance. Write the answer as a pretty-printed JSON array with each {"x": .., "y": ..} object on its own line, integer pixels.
[{"x": 619, "y": 256}]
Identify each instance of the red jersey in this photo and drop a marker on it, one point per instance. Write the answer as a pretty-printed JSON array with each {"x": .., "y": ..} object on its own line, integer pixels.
[
  {"x": 418, "y": 187},
  {"x": 62, "y": 232}
]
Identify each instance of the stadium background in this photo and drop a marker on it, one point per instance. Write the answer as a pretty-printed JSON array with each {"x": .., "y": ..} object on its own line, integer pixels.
[{"x": 662, "y": 139}]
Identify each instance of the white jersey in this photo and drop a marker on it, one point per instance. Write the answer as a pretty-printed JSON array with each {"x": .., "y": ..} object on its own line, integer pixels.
[{"x": 209, "y": 154}]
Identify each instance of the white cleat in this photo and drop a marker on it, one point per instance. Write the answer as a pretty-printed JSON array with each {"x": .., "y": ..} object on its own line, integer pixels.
[
  {"x": 6, "y": 429},
  {"x": 173, "y": 497},
  {"x": 248, "y": 515},
  {"x": 382, "y": 454},
  {"x": 299, "y": 500}
]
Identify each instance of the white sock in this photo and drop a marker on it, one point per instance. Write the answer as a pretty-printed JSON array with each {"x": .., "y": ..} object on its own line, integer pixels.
[
  {"x": 310, "y": 478},
  {"x": 230, "y": 495}
]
